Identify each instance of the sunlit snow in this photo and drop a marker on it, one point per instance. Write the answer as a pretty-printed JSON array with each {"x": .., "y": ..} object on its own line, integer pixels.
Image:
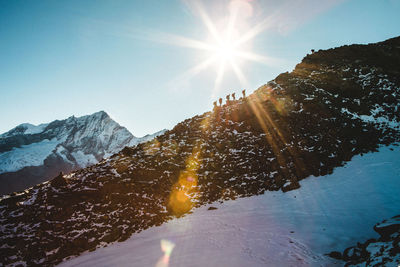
[
  {"x": 28, "y": 155},
  {"x": 275, "y": 229}
]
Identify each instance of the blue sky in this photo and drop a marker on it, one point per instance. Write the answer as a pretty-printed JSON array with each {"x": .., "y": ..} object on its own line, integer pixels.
[{"x": 63, "y": 58}]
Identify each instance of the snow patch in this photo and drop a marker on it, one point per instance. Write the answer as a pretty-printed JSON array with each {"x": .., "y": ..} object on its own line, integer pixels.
[
  {"x": 83, "y": 159},
  {"x": 275, "y": 229},
  {"x": 27, "y": 155},
  {"x": 33, "y": 129}
]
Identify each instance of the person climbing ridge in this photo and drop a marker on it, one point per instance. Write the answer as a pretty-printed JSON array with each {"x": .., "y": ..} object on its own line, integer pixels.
[{"x": 228, "y": 97}]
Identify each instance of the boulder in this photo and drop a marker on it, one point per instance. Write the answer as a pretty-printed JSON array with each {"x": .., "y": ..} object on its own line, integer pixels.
[
  {"x": 290, "y": 185},
  {"x": 335, "y": 255},
  {"x": 354, "y": 254},
  {"x": 388, "y": 227},
  {"x": 59, "y": 181}
]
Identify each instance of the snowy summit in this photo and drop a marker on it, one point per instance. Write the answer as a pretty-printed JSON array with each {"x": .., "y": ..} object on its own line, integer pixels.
[{"x": 31, "y": 154}]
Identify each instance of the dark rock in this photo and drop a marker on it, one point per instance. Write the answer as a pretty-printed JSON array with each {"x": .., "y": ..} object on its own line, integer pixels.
[
  {"x": 376, "y": 250},
  {"x": 388, "y": 227},
  {"x": 59, "y": 181},
  {"x": 292, "y": 185},
  {"x": 240, "y": 150},
  {"x": 354, "y": 254},
  {"x": 335, "y": 254},
  {"x": 212, "y": 208}
]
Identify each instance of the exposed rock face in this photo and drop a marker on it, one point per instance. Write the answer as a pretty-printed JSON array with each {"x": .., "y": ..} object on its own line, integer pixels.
[
  {"x": 336, "y": 104},
  {"x": 33, "y": 154},
  {"x": 388, "y": 227},
  {"x": 384, "y": 251}
]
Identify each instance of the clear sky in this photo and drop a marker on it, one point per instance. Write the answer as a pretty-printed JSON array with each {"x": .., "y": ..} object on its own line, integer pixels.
[{"x": 64, "y": 58}]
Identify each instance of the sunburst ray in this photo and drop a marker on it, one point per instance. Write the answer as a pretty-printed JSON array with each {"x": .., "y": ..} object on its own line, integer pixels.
[
  {"x": 224, "y": 46},
  {"x": 207, "y": 21},
  {"x": 266, "y": 60},
  {"x": 218, "y": 79},
  {"x": 242, "y": 79}
]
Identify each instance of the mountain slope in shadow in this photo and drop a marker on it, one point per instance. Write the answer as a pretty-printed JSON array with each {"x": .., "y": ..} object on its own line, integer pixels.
[{"x": 336, "y": 103}]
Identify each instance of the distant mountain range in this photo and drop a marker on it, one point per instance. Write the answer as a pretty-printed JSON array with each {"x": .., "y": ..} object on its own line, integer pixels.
[
  {"x": 336, "y": 104},
  {"x": 32, "y": 154}
]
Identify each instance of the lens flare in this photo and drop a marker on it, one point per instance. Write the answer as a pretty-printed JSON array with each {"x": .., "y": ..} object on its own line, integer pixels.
[
  {"x": 166, "y": 247},
  {"x": 184, "y": 191}
]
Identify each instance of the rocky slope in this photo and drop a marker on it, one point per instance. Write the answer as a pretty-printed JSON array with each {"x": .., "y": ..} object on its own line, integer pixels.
[
  {"x": 33, "y": 154},
  {"x": 295, "y": 228},
  {"x": 336, "y": 104},
  {"x": 384, "y": 251}
]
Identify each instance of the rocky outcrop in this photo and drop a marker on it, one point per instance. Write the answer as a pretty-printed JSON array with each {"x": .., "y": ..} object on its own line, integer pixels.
[
  {"x": 388, "y": 227},
  {"x": 384, "y": 251},
  {"x": 336, "y": 104}
]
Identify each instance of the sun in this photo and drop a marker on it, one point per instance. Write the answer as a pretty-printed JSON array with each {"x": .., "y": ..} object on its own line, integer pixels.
[
  {"x": 224, "y": 47},
  {"x": 226, "y": 51}
]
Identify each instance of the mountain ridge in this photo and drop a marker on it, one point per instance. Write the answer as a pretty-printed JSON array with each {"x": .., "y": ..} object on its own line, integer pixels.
[
  {"x": 31, "y": 154},
  {"x": 303, "y": 123}
]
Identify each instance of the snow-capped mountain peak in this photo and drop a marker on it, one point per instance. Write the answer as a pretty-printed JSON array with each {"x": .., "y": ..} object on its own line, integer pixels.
[
  {"x": 288, "y": 130},
  {"x": 25, "y": 128},
  {"x": 61, "y": 145}
]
